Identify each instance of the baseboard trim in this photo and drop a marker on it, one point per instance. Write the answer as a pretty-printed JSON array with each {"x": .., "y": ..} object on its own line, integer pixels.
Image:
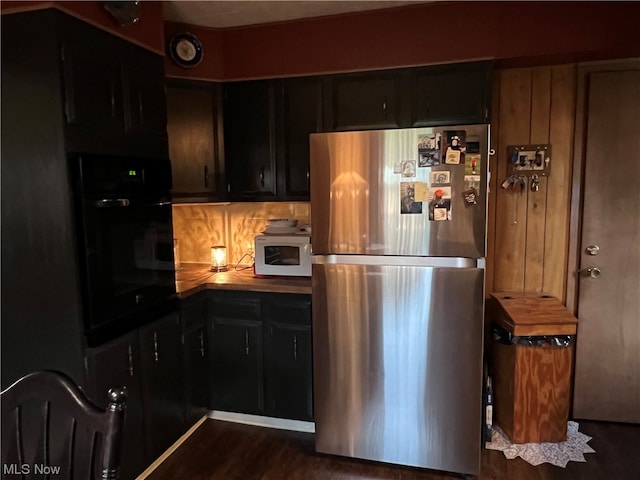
[
  {"x": 260, "y": 421},
  {"x": 170, "y": 450}
]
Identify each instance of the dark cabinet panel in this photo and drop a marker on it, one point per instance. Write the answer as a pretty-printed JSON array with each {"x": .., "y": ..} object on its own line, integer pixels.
[
  {"x": 364, "y": 101},
  {"x": 260, "y": 354},
  {"x": 118, "y": 364},
  {"x": 289, "y": 357},
  {"x": 193, "y": 141},
  {"x": 193, "y": 311},
  {"x": 299, "y": 110},
  {"x": 146, "y": 112},
  {"x": 41, "y": 327},
  {"x": 162, "y": 383},
  {"x": 290, "y": 390},
  {"x": 196, "y": 374},
  {"x": 93, "y": 90},
  {"x": 266, "y": 131},
  {"x": 236, "y": 365},
  {"x": 249, "y": 140},
  {"x": 451, "y": 94},
  {"x": 113, "y": 93}
]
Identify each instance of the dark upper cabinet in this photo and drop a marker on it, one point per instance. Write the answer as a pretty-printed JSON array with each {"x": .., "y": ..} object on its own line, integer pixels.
[
  {"x": 236, "y": 360},
  {"x": 289, "y": 357},
  {"x": 115, "y": 364},
  {"x": 361, "y": 101},
  {"x": 93, "y": 91},
  {"x": 249, "y": 140},
  {"x": 113, "y": 93},
  {"x": 299, "y": 113},
  {"x": 192, "y": 126},
  {"x": 266, "y": 137},
  {"x": 145, "y": 112},
  {"x": 450, "y": 94},
  {"x": 162, "y": 383}
]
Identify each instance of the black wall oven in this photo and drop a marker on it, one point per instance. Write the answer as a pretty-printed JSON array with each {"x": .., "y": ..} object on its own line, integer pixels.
[{"x": 125, "y": 237}]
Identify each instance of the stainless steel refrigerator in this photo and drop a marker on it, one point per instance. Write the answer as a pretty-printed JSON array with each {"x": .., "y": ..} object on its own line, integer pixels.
[{"x": 398, "y": 241}]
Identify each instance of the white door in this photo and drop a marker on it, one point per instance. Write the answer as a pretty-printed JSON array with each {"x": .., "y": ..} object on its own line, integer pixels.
[{"x": 607, "y": 375}]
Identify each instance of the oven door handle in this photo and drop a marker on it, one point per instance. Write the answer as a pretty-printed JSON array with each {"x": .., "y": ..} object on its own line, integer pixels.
[
  {"x": 112, "y": 202},
  {"x": 125, "y": 202}
]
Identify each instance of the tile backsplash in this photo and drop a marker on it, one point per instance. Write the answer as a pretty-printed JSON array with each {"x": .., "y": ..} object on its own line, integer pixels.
[{"x": 199, "y": 226}]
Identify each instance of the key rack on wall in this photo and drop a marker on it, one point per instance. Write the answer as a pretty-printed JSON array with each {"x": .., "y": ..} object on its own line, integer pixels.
[{"x": 529, "y": 160}]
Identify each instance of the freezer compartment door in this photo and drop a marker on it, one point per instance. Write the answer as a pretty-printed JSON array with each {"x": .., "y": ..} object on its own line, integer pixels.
[
  {"x": 373, "y": 193},
  {"x": 398, "y": 364}
]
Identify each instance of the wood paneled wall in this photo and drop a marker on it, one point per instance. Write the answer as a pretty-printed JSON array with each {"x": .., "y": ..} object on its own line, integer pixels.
[{"x": 528, "y": 231}]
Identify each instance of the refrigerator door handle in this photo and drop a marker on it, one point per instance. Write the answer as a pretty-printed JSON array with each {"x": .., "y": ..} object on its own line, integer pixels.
[{"x": 449, "y": 262}]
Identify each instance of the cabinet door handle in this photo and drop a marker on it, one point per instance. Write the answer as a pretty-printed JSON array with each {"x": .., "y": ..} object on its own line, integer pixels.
[
  {"x": 130, "y": 351},
  {"x": 202, "y": 344},
  {"x": 206, "y": 177},
  {"x": 384, "y": 107},
  {"x": 295, "y": 347},
  {"x": 140, "y": 108},
  {"x": 113, "y": 99},
  {"x": 155, "y": 346},
  {"x": 246, "y": 342},
  {"x": 262, "y": 176},
  {"x": 308, "y": 177}
]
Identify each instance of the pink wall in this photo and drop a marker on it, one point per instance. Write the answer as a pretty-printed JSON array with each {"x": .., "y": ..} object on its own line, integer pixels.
[
  {"x": 211, "y": 67},
  {"x": 515, "y": 33}
]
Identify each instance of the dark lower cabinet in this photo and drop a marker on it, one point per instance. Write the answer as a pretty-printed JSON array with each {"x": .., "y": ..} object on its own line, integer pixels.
[
  {"x": 114, "y": 364},
  {"x": 162, "y": 383},
  {"x": 196, "y": 364},
  {"x": 236, "y": 366},
  {"x": 289, "y": 358},
  {"x": 193, "y": 312},
  {"x": 148, "y": 362},
  {"x": 236, "y": 363},
  {"x": 260, "y": 360}
]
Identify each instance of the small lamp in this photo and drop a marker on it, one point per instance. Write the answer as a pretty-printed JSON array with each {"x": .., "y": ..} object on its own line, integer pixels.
[{"x": 218, "y": 258}]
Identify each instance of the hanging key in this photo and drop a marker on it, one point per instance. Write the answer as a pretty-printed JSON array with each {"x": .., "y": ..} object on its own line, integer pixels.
[
  {"x": 535, "y": 183},
  {"x": 521, "y": 184}
]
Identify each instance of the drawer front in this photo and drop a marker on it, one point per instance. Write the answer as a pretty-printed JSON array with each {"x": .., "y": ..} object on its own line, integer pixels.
[
  {"x": 240, "y": 307},
  {"x": 291, "y": 309}
]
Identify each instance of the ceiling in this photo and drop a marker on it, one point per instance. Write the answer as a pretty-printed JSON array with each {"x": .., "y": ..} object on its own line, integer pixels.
[{"x": 234, "y": 13}]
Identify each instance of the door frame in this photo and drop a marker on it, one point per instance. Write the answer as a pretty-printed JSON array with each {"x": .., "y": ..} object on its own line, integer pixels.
[{"x": 579, "y": 160}]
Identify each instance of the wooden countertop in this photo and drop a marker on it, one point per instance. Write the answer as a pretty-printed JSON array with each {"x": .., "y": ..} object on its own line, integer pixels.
[
  {"x": 532, "y": 314},
  {"x": 194, "y": 277}
]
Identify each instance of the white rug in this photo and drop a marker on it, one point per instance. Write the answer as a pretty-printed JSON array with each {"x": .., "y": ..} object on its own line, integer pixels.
[{"x": 558, "y": 454}]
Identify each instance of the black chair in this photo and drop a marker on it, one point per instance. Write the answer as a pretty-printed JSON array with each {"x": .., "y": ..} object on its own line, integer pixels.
[{"x": 49, "y": 426}]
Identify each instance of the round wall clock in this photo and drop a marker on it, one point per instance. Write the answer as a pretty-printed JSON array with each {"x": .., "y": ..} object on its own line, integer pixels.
[{"x": 186, "y": 50}]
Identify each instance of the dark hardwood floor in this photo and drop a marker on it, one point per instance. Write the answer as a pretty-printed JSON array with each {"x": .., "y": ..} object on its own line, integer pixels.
[{"x": 231, "y": 451}]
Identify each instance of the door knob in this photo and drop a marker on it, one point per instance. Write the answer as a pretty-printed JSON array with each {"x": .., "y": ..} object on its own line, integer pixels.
[
  {"x": 593, "y": 272},
  {"x": 592, "y": 250}
]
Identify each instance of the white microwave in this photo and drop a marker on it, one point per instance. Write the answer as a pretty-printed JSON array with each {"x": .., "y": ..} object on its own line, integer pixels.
[{"x": 283, "y": 255}]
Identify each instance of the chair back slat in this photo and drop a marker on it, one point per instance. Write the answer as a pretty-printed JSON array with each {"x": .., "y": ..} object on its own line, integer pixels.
[{"x": 47, "y": 422}]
